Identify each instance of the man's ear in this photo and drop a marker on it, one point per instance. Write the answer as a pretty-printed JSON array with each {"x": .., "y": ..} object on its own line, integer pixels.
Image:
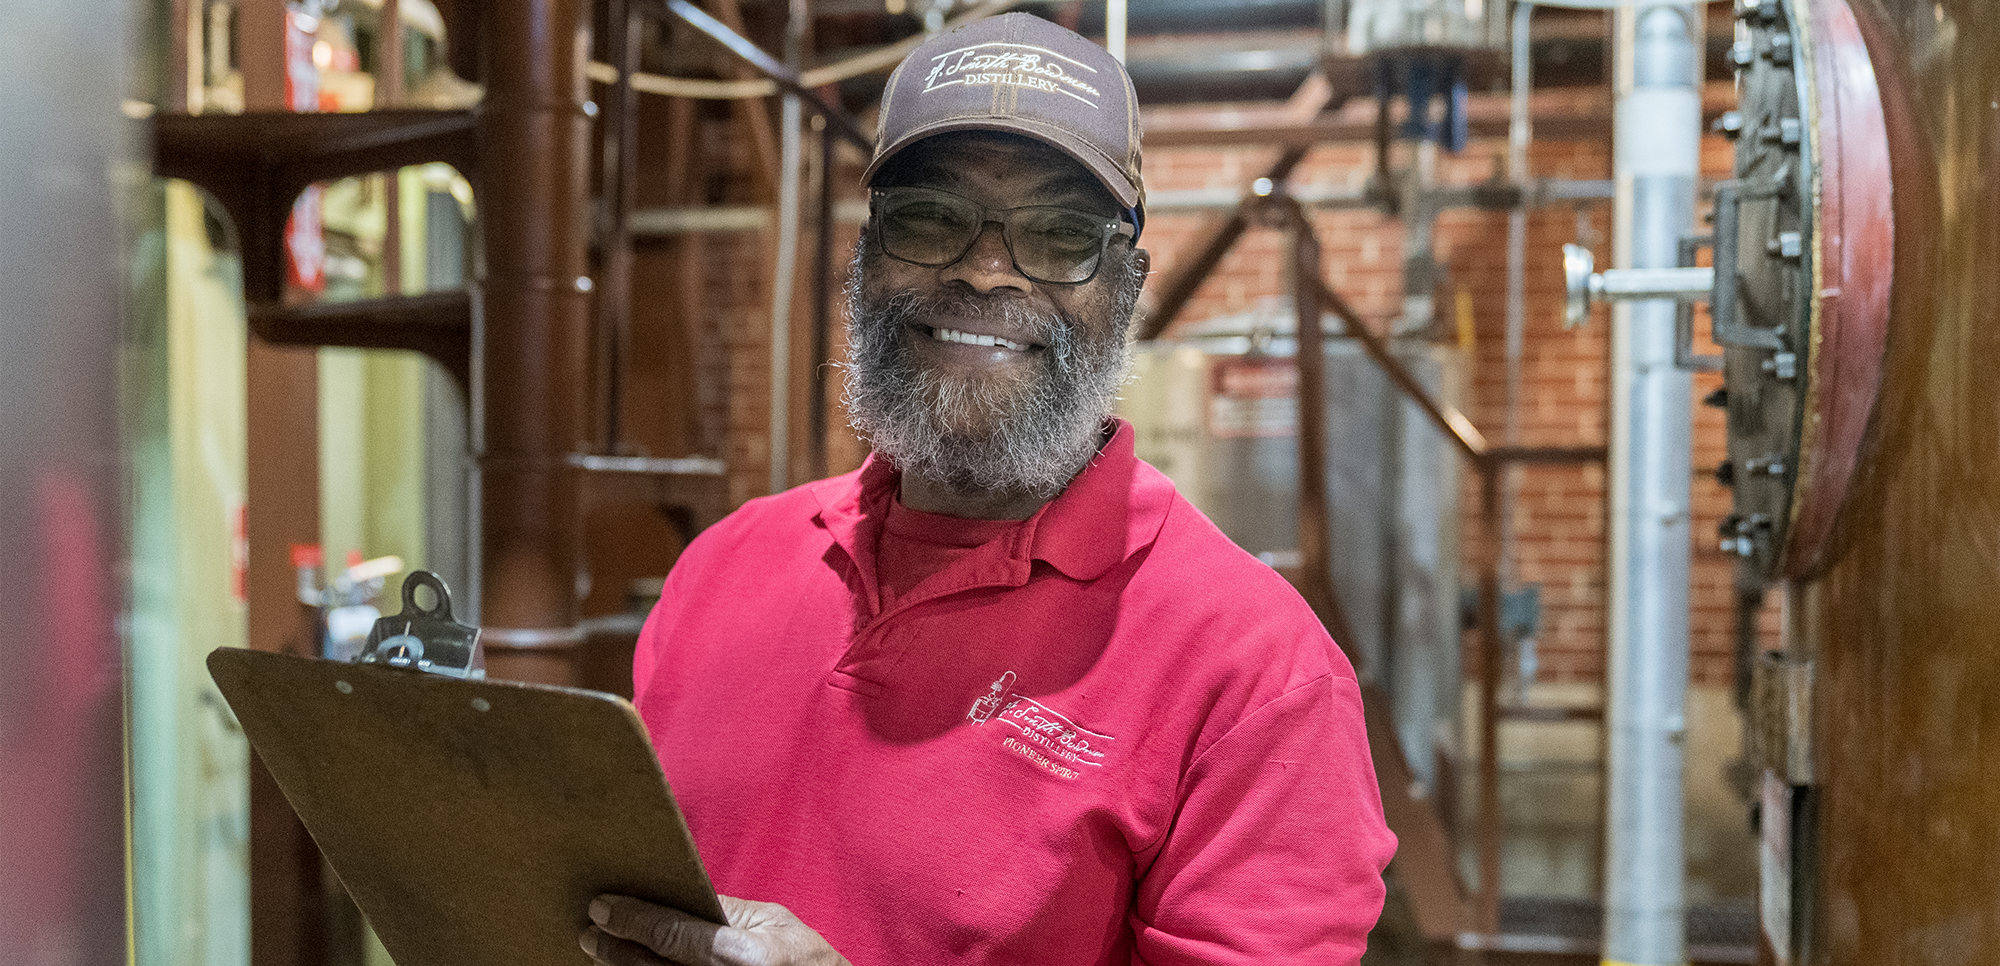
[{"x": 1142, "y": 261}]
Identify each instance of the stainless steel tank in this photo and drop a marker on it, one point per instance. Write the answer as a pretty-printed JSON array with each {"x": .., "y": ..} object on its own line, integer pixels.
[{"x": 1215, "y": 408}]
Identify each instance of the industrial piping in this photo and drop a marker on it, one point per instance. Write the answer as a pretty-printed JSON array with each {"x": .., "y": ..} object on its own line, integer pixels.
[
  {"x": 1657, "y": 132},
  {"x": 530, "y": 340}
]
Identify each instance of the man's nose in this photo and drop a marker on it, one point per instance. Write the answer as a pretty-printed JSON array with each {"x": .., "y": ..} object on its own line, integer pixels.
[{"x": 987, "y": 265}]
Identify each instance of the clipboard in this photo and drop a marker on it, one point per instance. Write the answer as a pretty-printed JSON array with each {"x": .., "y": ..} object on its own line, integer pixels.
[{"x": 471, "y": 820}]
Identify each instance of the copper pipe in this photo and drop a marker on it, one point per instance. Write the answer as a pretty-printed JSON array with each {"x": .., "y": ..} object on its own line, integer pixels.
[
  {"x": 1486, "y": 906},
  {"x": 389, "y": 93},
  {"x": 289, "y": 905},
  {"x": 1447, "y": 418},
  {"x": 822, "y": 312},
  {"x": 1305, "y": 104},
  {"x": 1209, "y": 252},
  {"x": 620, "y": 147},
  {"x": 533, "y": 146},
  {"x": 787, "y": 76},
  {"x": 1316, "y": 569}
]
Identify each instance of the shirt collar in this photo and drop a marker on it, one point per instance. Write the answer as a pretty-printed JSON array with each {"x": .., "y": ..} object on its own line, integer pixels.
[{"x": 1112, "y": 509}]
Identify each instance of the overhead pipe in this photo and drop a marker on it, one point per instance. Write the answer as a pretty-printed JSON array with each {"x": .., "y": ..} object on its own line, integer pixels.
[
  {"x": 670, "y": 221},
  {"x": 786, "y": 76},
  {"x": 1656, "y": 155}
]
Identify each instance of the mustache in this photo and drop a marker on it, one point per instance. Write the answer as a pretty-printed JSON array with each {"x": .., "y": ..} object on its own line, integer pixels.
[{"x": 1051, "y": 329}]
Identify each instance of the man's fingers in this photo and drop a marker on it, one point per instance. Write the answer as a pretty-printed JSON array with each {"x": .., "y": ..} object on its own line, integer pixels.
[
  {"x": 675, "y": 935},
  {"x": 613, "y": 951}
]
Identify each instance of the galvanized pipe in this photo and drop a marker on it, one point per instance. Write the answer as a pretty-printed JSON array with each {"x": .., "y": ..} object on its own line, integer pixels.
[
  {"x": 1114, "y": 28},
  {"x": 1520, "y": 130},
  {"x": 1655, "y": 165},
  {"x": 784, "y": 273}
]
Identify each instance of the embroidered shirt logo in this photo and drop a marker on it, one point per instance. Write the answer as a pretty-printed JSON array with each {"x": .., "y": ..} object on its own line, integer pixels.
[
  {"x": 990, "y": 702},
  {"x": 1043, "y": 735},
  {"x": 1016, "y": 65}
]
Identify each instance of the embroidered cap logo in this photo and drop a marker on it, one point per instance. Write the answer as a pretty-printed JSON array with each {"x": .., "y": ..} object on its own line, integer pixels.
[
  {"x": 1016, "y": 65},
  {"x": 1020, "y": 74}
]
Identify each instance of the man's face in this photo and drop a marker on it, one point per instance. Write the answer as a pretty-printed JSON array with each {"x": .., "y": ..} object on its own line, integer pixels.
[{"x": 972, "y": 373}]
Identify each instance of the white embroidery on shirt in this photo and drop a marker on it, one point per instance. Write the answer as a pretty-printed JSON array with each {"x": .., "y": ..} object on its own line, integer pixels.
[
  {"x": 989, "y": 703},
  {"x": 1048, "y": 738}
]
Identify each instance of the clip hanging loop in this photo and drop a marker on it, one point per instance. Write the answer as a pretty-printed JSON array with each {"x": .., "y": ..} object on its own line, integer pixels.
[{"x": 426, "y": 639}]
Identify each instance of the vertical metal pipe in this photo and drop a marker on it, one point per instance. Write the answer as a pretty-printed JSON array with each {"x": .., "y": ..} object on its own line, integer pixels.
[
  {"x": 822, "y": 305},
  {"x": 1315, "y": 557},
  {"x": 1655, "y": 162},
  {"x": 1114, "y": 28},
  {"x": 534, "y": 143},
  {"x": 389, "y": 93},
  {"x": 1487, "y": 908},
  {"x": 785, "y": 272},
  {"x": 620, "y": 124},
  {"x": 64, "y": 151},
  {"x": 1520, "y": 130},
  {"x": 291, "y": 921}
]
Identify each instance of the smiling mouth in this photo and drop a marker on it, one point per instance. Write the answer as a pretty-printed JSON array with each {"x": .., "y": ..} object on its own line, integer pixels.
[{"x": 943, "y": 334}]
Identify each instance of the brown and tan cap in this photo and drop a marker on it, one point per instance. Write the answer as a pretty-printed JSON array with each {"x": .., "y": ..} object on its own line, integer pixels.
[{"x": 1019, "y": 73}]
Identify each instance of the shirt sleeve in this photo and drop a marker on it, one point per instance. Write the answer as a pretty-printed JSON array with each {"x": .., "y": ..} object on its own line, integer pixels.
[
  {"x": 1278, "y": 844},
  {"x": 652, "y": 635}
]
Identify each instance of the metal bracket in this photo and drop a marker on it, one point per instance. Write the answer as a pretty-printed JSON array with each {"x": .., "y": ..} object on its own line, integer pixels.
[
  {"x": 422, "y": 639},
  {"x": 1585, "y": 285},
  {"x": 1684, "y": 354},
  {"x": 1722, "y": 305},
  {"x": 1781, "y": 713}
]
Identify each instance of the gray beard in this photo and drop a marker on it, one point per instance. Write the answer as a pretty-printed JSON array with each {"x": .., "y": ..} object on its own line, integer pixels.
[{"x": 1018, "y": 435}]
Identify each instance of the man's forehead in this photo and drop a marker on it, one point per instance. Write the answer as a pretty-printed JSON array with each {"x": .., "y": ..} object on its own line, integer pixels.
[{"x": 970, "y": 159}]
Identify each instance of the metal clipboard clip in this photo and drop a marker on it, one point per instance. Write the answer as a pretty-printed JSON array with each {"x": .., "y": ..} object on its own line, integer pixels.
[{"x": 426, "y": 639}]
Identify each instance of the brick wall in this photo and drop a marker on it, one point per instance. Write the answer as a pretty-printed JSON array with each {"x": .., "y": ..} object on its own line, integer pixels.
[{"x": 1559, "y": 516}]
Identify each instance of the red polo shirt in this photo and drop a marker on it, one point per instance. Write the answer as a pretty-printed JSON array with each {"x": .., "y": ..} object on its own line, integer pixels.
[{"x": 1106, "y": 735}]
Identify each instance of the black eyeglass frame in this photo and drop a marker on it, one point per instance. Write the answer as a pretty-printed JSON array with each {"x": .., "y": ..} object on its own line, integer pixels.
[{"x": 1112, "y": 227}]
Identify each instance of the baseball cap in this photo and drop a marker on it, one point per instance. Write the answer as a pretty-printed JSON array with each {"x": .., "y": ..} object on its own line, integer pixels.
[{"x": 1019, "y": 73}]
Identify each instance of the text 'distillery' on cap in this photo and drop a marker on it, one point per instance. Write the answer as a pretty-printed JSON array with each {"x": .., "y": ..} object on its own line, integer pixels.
[{"x": 1021, "y": 74}]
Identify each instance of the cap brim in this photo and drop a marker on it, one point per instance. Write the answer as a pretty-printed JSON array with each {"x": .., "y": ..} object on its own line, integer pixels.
[{"x": 1108, "y": 173}]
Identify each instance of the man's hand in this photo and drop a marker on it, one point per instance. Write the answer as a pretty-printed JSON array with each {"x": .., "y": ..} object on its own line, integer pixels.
[{"x": 633, "y": 932}]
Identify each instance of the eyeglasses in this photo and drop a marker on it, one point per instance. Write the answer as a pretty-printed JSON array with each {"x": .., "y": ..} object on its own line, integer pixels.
[{"x": 933, "y": 228}]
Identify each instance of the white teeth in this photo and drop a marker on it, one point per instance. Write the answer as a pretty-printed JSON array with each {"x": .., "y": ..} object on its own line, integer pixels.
[{"x": 943, "y": 334}]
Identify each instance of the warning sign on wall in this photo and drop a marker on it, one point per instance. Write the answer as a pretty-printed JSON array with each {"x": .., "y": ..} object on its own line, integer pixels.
[{"x": 1253, "y": 397}]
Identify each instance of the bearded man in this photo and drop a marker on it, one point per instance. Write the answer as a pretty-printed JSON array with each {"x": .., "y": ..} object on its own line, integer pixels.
[{"x": 1001, "y": 695}]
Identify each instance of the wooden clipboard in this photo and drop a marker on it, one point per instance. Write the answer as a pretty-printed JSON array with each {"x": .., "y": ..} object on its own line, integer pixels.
[{"x": 472, "y": 821}]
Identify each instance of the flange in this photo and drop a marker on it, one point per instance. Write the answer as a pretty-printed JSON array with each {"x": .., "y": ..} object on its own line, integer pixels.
[{"x": 1804, "y": 254}]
